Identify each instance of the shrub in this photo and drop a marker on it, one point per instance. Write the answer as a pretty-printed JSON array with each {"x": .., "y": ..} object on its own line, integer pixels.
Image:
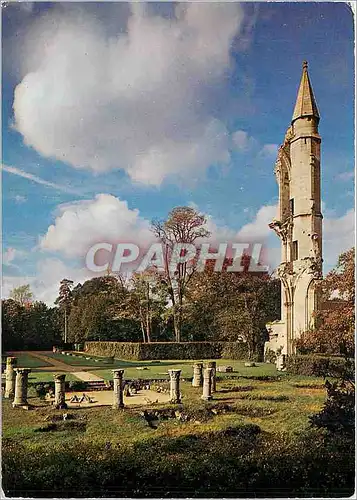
[
  {"x": 77, "y": 385},
  {"x": 338, "y": 413},
  {"x": 168, "y": 350},
  {"x": 40, "y": 390},
  {"x": 235, "y": 462},
  {"x": 318, "y": 366}
]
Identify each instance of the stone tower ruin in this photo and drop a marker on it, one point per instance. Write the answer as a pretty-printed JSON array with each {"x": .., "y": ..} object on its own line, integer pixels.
[{"x": 299, "y": 222}]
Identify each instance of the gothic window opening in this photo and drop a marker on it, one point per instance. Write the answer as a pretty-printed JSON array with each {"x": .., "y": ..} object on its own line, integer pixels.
[
  {"x": 294, "y": 250},
  {"x": 292, "y": 206}
]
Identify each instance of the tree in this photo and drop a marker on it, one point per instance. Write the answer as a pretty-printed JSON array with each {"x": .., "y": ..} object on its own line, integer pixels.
[
  {"x": 232, "y": 306},
  {"x": 64, "y": 301},
  {"x": 335, "y": 322},
  {"x": 22, "y": 294},
  {"x": 183, "y": 225},
  {"x": 96, "y": 311},
  {"x": 35, "y": 327},
  {"x": 145, "y": 299}
]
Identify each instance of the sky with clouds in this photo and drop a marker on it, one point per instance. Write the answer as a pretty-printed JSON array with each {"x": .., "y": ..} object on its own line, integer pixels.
[{"x": 114, "y": 113}]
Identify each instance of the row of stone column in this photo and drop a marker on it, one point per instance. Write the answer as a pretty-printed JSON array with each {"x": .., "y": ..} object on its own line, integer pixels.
[
  {"x": 17, "y": 384},
  {"x": 208, "y": 377},
  {"x": 205, "y": 377}
]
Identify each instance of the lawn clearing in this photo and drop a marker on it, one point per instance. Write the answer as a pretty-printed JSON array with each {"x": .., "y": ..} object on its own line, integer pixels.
[
  {"x": 25, "y": 360},
  {"x": 45, "y": 376},
  {"x": 159, "y": 369},
  {"x": 104, "y": 424}
]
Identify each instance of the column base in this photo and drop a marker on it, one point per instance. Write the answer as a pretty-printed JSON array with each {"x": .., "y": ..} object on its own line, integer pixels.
[
  {"x": 25, "y": 405},
  {"x": 206, "y": 398},
  {"x": 118, "y": 407}
]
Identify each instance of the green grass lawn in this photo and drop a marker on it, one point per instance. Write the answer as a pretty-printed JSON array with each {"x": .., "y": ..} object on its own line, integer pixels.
[
  {"x": 261, "y": 398},
  {"x": 44, "y": 376},
  {"x": 159, "y": 369},
  {"x": 252, "y": 440},
  {"x": 25, "y": 360},
  {"x": 78, "y": 360}
]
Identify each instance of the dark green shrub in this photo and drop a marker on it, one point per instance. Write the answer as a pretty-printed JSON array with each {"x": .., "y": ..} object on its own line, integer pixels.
[
  {"x": 40, "y": 390},
  {"x": 168, "y": 350},
  {"x": 338, "y": 413},
  {"x": 237, "y": 462},
  {"x": 77, "y": 385},
  {"x": 318, "y": 366}
]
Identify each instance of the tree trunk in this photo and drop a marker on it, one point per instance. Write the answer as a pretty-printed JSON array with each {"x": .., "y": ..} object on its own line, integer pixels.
[
  {"x": 177, "y": 327},
  {"x": 142, "y": 325},
  {"x": 148, "y": 319},
  {"x": 65, "y": 326}
]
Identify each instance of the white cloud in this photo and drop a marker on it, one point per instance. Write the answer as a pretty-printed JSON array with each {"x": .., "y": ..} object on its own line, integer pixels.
[
  {"x": 338, "y": 236},
  {"x": 9, "y": 255},
  {"x": 38, "y": 180},
  {"x": 242, "y": 141},
  {"x": 258, "y": 230},
  {"x": 20, "y": 199},
  {"x": 346, "y": 176},
  {"x": 269, "y": 150},
  {"x": 135, "y": 101},
  {"x": 105, "y": 218},
  {"x": 45, "y": 284}
]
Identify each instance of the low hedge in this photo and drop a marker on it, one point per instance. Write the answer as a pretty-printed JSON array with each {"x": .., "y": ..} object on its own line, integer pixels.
[
  {"x": 168, "y": 350},
  {"x": 318, "y": 366}
]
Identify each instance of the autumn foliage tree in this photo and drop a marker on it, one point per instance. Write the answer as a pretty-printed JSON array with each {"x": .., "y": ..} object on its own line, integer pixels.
[
  {"x": 183, "y": 225},
  {"x": 232, "y": 306},
  {"x": 335, "y": 325}
]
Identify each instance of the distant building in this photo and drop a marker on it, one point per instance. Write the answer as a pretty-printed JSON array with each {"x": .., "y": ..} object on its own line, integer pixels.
[{"x": 299, "y": 222}]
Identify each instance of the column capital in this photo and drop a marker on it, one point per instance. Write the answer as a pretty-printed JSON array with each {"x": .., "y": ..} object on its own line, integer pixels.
[
  {"x": 175, "y": 374},
  {"x": 118, "y": 373},
  {"x": 59, "y": 377},
  {"x": 23, "y": 371}
]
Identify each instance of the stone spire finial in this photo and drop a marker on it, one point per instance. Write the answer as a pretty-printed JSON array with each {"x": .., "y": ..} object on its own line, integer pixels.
[{"x": 305, "y": 102}]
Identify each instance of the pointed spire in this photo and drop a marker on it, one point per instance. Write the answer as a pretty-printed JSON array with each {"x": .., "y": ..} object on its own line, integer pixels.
[{"x": 305, "y": 102}]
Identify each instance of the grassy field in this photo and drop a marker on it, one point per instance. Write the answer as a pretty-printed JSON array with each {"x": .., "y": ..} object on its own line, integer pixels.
[
  {"x": 283, "y": 404},
  {"x": 147, "y": 369},
  {"x": 252, "y": 440},
  {"x": 25, "y": 360},
  {"x": 159, "y": 369},
  {"x": 45, "y": 376}
]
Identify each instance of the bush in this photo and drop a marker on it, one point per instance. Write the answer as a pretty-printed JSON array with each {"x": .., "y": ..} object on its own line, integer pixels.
[
  {"x": 236, "y": 462},
  {"x": 168, "y": 350},
  {"x": 338, "y": 413},
  {"x": 77, "y": 385},
  {"x": 318, "y": 366}
]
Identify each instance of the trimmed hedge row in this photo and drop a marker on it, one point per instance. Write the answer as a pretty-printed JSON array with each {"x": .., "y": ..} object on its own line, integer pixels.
[
  {"x": 318, "y": 366},
  {"x": 168, "y": 350}
]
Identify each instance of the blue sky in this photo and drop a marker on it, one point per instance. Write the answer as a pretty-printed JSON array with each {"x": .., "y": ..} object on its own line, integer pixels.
[{"x": 158, "y": 107}]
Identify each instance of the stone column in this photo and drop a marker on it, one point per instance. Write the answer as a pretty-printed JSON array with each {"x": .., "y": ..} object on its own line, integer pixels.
[
  {"x": 213, "y": 365},
  {"x": 21, "y": 382},
  {"x": 118, "y": 396},
  {"x": 175, "y": 386},
  {"x": 281, "y": 362},
  {"x": 60, "y": 391},
  {"x": 197, "y": 380},
  {"x": 10, "y": 377},
  {"x": 207, "y": 384}
]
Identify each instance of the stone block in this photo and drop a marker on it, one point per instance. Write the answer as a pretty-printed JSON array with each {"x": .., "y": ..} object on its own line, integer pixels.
[{"x": 225, "y": 369}]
